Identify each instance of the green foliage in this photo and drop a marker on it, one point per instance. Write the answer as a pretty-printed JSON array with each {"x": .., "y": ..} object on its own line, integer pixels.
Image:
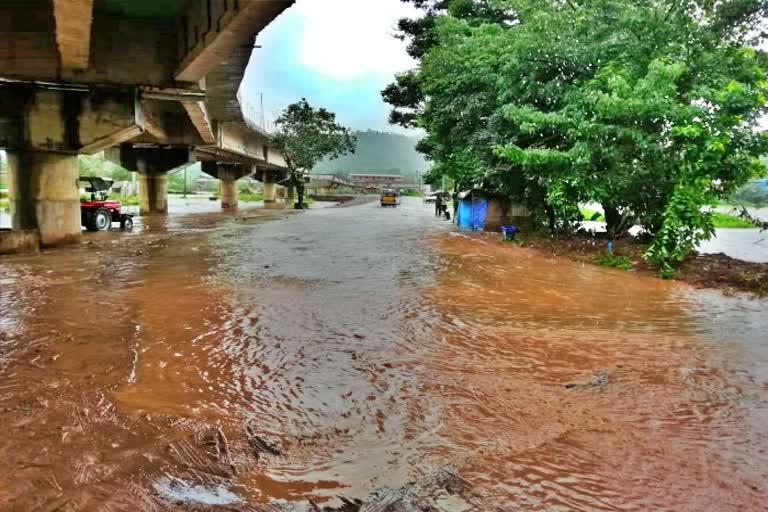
[
  {"x": 649, "y": 108},
  {"x": 97, "y": 165},
  {"x": 182, "y": 180},
  {"x": 725, "y": 220},
  {"x": 614, "y": 260},
  {"x": 685, "y": 224},
  {"x": 249, "y": 197},
  {"x": 305, "y": 136},
  {"x": 130, "y": 200},
  {"x": 412, "y": 193},
  {"x": 592, "y": 215}
]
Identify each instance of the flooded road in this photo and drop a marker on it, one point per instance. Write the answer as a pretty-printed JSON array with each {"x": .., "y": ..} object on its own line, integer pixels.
[{"x": 258, "y": 361}]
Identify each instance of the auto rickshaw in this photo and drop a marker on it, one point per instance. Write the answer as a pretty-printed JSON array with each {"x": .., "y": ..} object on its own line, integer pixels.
[{"x": 390, "y": 197}]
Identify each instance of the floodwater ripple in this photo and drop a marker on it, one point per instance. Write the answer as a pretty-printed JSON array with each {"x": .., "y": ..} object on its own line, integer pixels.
[{"x": 214, "y": 361}]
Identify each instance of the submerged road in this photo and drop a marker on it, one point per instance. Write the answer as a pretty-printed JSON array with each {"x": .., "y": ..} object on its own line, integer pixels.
[{"x": 269, "y": 361}]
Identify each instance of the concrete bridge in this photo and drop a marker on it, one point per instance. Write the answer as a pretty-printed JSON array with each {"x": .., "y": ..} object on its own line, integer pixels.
[
  {"x": 153, "y": 83},
  {"x": 328, "y": 184}
]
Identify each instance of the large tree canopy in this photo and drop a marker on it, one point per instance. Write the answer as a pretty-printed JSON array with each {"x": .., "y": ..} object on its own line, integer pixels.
[
  {"x": 305, "y": 136},
  {"x": 649, "y": 107}
]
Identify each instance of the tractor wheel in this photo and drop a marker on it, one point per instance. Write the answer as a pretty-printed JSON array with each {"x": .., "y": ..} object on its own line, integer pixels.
[
  {"x": 89, "y": 221},
  {"x": 126, "y": 222},
  {"x": 102, "y": 219}
]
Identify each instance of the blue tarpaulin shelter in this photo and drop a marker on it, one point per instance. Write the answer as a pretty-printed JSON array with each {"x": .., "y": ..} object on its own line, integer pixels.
[{"x": 472, "y": 211}]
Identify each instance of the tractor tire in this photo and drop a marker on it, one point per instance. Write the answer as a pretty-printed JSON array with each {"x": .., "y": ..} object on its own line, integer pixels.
[
  {"x": 89, "y": 221},
  {"x": 126, "y": 222},
  {"x": 102, "y": 219}
]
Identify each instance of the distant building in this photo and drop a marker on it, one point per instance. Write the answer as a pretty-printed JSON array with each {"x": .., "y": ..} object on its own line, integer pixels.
[{"x": 377, "y": 180}]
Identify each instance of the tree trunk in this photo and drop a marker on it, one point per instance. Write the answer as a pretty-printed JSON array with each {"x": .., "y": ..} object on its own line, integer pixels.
[
  {"x": 300, "y": 193},
  {"x": 552, "y": 219},
  {"x": 615, "y": 223}
]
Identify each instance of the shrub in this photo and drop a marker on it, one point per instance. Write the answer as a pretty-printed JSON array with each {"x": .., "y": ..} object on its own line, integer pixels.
[{"x": 614, "y": 260}]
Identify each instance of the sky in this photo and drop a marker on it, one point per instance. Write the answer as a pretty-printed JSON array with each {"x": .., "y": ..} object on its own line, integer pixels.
[{"x": 339, "y": 54}]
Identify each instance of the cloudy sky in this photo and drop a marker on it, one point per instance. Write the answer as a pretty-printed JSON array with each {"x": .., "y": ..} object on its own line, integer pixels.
[{"x": 338, "y": 54}]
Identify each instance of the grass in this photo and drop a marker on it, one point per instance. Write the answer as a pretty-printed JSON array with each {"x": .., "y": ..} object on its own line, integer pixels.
[
  {"x": 132, "y": 200},
  {"x": 721, "y": 220},
  {"x": 249, "y": 197},
  {"x": 614, "y": 260},
  {"x": 592, "y": 215},
  {"x": 412, "y": 193},
  {"x": 725, "y": 220}
]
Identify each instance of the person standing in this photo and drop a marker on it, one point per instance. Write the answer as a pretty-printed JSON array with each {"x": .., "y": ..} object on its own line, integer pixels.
[{"x": 438, "y": 204}]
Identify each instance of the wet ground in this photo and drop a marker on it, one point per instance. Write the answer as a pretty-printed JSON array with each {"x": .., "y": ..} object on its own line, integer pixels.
[
  {"x": 745, "y": 244},
  {"x": 268, "y": 361}
]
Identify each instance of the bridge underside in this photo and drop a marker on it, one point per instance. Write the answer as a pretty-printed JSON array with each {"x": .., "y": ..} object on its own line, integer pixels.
[{"x": 142, "y": 76}]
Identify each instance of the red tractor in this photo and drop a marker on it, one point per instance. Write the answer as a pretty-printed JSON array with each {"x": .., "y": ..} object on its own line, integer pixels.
[{"x": 99, "y": 213}]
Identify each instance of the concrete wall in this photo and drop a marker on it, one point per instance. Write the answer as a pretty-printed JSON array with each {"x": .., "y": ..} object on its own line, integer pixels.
[
  {"x": 502, "y": 212},
  {"x": 52, "y": 120},
  {"x": 199, "y": 24},
  {"x": 238, "y": 138},
  {"x": 27, "y": 41},
  {"x": 129, "y": 51},
  {"x": 123, "y": 50}
]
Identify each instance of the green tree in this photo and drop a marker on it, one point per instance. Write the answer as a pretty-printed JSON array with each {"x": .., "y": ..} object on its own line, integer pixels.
[
  {"x": 97, "y": 165},
  {"x": 305, "y": 136},
  {"x": 182, "y": 180},
  {"x": 649, "y": 107}
]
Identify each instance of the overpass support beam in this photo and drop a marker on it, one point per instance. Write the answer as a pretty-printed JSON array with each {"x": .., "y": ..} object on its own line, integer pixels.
[
  {"x": 228, "y": 178},
  {"x": 152, "y": 166},
  {"x": 153, "y": 192},
  {"x": 45, "y": 195},
  {"x": 270, "y": 188},
  {"x": 73, "y": 32},
  {"x": 227, "y": 173}
]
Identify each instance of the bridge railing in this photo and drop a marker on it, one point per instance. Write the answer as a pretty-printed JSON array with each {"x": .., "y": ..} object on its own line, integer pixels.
[{"x": 254, "y": 114}]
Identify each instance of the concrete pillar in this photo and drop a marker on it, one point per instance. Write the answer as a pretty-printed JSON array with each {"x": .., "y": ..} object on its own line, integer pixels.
[
  {"x": 153, "y": 192},
  {"x": 45, "y": 195},
  {"x": 228, "y": 181},
  {"x": 270, "y": 188},
  {"x": 270, "y": 193}
]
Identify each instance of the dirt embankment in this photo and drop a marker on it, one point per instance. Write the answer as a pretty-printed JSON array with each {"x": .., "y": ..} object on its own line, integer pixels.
[{"x": 701, "y": 270}]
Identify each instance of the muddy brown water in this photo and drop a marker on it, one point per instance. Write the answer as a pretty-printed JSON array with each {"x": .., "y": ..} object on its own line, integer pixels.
[{"x": 261, "y": 360}]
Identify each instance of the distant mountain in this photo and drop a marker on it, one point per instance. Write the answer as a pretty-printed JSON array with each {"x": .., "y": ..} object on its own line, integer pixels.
[{"x": 379, "y": 152}]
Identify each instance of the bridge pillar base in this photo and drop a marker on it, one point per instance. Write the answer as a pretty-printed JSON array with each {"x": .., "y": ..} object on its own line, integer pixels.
[
  {"x": 153, "y": 192},
  {"x": 228, "y": 189},
  {"x": 45, "y": 196},
  {"x": 270, "y": 193}
]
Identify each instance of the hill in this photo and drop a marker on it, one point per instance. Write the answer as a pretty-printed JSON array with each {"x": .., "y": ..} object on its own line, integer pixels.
[{"x": 379, "y": 152}]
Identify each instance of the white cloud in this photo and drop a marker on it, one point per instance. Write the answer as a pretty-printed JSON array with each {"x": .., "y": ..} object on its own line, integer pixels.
[{"x": 351, "y": 39}]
